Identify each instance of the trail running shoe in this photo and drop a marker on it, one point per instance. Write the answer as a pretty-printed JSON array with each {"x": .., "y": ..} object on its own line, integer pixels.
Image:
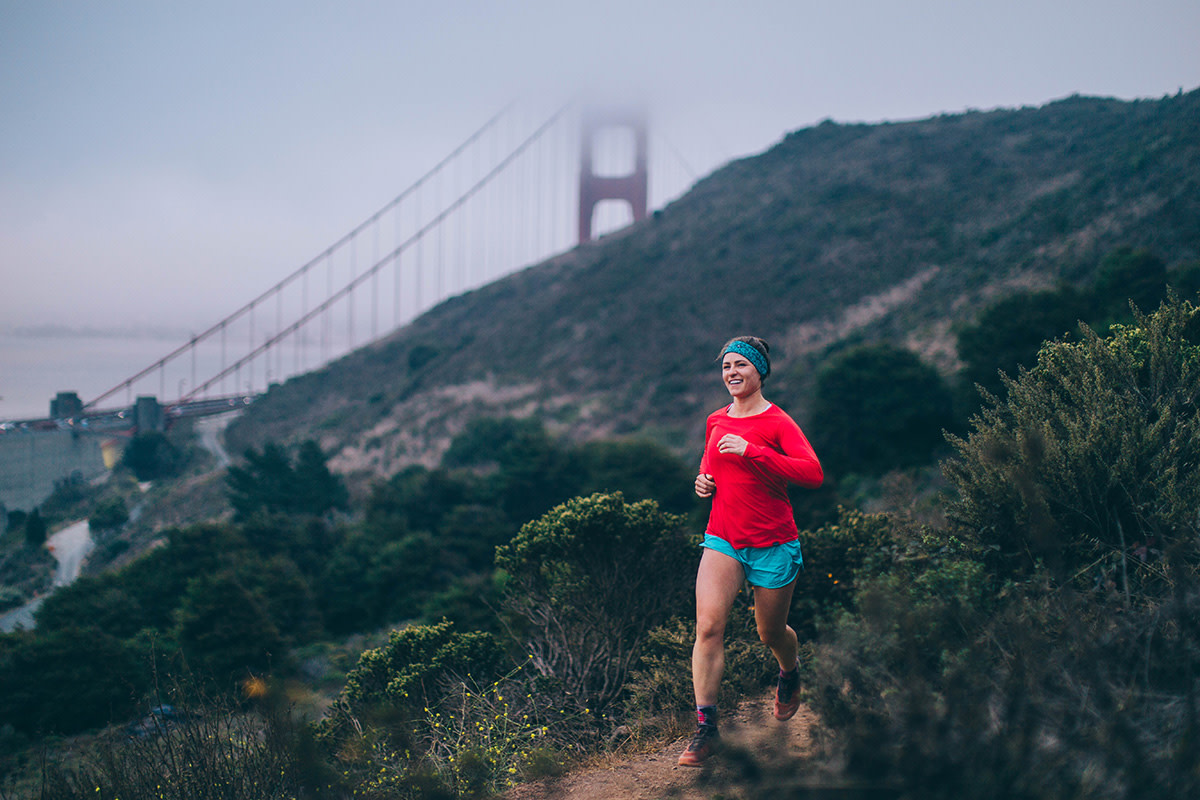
[
  {"x": 787, "y": 698},
  {"x": 705, "y": 742}
]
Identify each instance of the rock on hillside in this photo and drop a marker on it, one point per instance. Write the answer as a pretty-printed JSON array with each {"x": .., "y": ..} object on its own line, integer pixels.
[{"x": 838, "y": 233}]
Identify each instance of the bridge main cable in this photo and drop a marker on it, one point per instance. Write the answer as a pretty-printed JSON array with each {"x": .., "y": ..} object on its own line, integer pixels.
[
  {"x": 279, "y": 286},
  {"x": 383, "y": 262}
]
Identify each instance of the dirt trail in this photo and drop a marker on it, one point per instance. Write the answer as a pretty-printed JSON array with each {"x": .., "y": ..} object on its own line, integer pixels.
[{"x": 656, "y": 776}]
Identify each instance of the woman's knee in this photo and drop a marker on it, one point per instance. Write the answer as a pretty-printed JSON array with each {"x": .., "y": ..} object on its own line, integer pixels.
[
  {"x": 772, "y": 635},
  {"x": 710, "y": 629}
]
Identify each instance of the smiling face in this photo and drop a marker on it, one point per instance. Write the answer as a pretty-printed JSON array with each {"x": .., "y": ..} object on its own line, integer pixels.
[{"x": 740, "y": 376}]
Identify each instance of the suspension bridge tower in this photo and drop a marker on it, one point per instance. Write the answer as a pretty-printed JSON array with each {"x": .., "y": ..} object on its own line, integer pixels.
[{"x": 632, "y": 187}]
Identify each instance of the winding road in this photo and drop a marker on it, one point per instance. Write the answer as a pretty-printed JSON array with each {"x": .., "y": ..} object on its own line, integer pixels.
[
  {"x": 70, "y": 547},
  {"x": 72, "y": 544}
]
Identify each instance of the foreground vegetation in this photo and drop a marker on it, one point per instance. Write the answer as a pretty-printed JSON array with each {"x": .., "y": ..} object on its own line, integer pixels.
[
  {"x": 1041, "y": 643},
  {"x": 1025, "y": 626},
  {"x": 1049, "y": 647}
]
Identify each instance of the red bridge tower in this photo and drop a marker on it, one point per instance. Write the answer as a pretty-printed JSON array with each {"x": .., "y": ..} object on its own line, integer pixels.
[{"x": 632, "y": 187}]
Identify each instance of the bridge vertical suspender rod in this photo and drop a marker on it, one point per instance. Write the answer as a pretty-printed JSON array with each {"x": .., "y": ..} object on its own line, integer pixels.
[
  {"x": 251, "y": 364},
  {"x": 326, "y": 320},
  {"x": 396, "y": 286},
  {"x": 375, "y": 287},
  {"x": 298, "y": 350},
  {"x": 420, "y": 271},
  {"x": 278, "y": 326},
  {"x": 350, "y": 300}
]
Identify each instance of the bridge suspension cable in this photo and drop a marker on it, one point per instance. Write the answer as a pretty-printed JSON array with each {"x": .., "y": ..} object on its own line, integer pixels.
[
  {"x": 258, "y": 347},
  {"x": 380, "y": 264},
  {"x": 502, "y": 199}
]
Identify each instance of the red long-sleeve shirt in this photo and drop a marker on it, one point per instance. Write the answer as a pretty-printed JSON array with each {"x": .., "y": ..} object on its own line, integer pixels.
[{"x": 750, "y": 507}]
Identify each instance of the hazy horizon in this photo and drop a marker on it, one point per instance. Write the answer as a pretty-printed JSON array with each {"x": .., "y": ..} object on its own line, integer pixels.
[{"x": 161, "y": 165}]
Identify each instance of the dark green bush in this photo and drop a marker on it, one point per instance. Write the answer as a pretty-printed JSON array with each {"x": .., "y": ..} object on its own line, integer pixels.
[
  {"x": 1089, "y": 465},
  {"x": 69, "y": 680},
  {"x": 429, "y": 716},
  {"x": 639, "y": 470},
  {"x": 878, "y": 407},
  {"x": 224, "y": 631},
  {"x": 1055, "y": 652},
  {"x": 151, "y": 456},
  {"x": 110, "y": 514},
  {"x": 389, "y": 693},
  {"x": 1008, "y": 334},
  {"x": 834, "y": 555},
  {"x": 271, "y": 482},
  {"x": 950, "y": 686},
  {"x": 35, "y": 529},
  {"x": 590, "y": 579},
  {"x": 1127, "y": 275}
]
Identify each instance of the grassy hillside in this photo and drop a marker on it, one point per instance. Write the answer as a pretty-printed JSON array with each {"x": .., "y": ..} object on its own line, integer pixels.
[{"x": 838, "y": 234}]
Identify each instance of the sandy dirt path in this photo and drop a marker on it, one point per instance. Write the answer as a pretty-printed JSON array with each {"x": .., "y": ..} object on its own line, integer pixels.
[{"x": 655, "y": 775}]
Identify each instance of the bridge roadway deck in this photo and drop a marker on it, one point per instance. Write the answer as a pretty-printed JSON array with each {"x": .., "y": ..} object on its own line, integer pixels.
[{"x": 38, "y": 455}]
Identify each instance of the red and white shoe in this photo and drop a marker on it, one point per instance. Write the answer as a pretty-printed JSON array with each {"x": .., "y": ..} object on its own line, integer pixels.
[
  {"x": 787, "y": 695},
  {"x": 705, "y": 743}
]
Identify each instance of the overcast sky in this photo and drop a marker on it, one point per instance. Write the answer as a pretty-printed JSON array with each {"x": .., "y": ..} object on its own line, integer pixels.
[{"x": 162, "y": 162}]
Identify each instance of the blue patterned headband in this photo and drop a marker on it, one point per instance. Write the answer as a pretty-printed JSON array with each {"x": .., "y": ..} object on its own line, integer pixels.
[{"x": 752, "y": 355}]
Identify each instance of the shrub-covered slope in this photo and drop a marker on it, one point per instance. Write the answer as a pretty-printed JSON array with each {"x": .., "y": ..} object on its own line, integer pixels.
[{"x": 839, "y": 233}]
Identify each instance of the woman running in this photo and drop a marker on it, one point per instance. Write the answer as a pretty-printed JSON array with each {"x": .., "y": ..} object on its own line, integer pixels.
[{"x": 752, "y": 451}]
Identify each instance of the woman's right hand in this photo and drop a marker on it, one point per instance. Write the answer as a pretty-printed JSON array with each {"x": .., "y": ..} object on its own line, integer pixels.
[{"x": 705, "y": 485}]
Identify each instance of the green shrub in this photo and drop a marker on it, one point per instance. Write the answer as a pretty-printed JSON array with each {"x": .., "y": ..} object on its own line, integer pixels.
[
  {"x": 436, "y": 712},
  {"x": 889, "y": 668},
  {"x": 411, "y": 672},
  {"x": 110, "y": 514},
  {"x": 1055, "y": 651},
  {"x": 834, "y": 555},
  {"x": 1089, "y": 464},
  {"x": 272, "y": 482},
  {"x": 224, "y": 631},
  {"x": 949, "y": 685},
  {"x": 639, "y": 470},
  {"x": 69, "y": 680},
  {"x": 11, "y": 598},
  {"x": 1127, "y": 275},
  {"x": 35, "y": 529},
  {"x": 590, "y": 579},
  {"x": 1008, "y": 334},
  {"x": 472, "y": 740},
  {"x": 151, "y": 456},
  {"x": 529, "y": 470},
  {"x": 879, "y": 407}
]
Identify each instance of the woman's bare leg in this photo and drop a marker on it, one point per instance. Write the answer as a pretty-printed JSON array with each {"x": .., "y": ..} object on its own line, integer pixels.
[
  {"x": 771, "y": 607},
  {"x": 717, "y": 583}
]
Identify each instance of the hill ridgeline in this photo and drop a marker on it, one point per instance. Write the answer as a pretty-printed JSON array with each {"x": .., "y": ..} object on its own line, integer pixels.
[{"x": 837, "y": 234}]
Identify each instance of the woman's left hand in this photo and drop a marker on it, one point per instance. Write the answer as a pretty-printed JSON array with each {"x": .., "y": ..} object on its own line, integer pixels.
[{"x": 732, "y": 443}]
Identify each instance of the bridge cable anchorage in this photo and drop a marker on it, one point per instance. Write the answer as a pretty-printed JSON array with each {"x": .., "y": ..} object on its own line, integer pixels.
[
  {"x": 303, "y": 270},
  {"x": 389, "y": 258}
]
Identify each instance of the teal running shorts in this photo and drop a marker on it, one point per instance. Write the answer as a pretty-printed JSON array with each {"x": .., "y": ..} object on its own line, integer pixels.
[{"x": 769, "y": 567}]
